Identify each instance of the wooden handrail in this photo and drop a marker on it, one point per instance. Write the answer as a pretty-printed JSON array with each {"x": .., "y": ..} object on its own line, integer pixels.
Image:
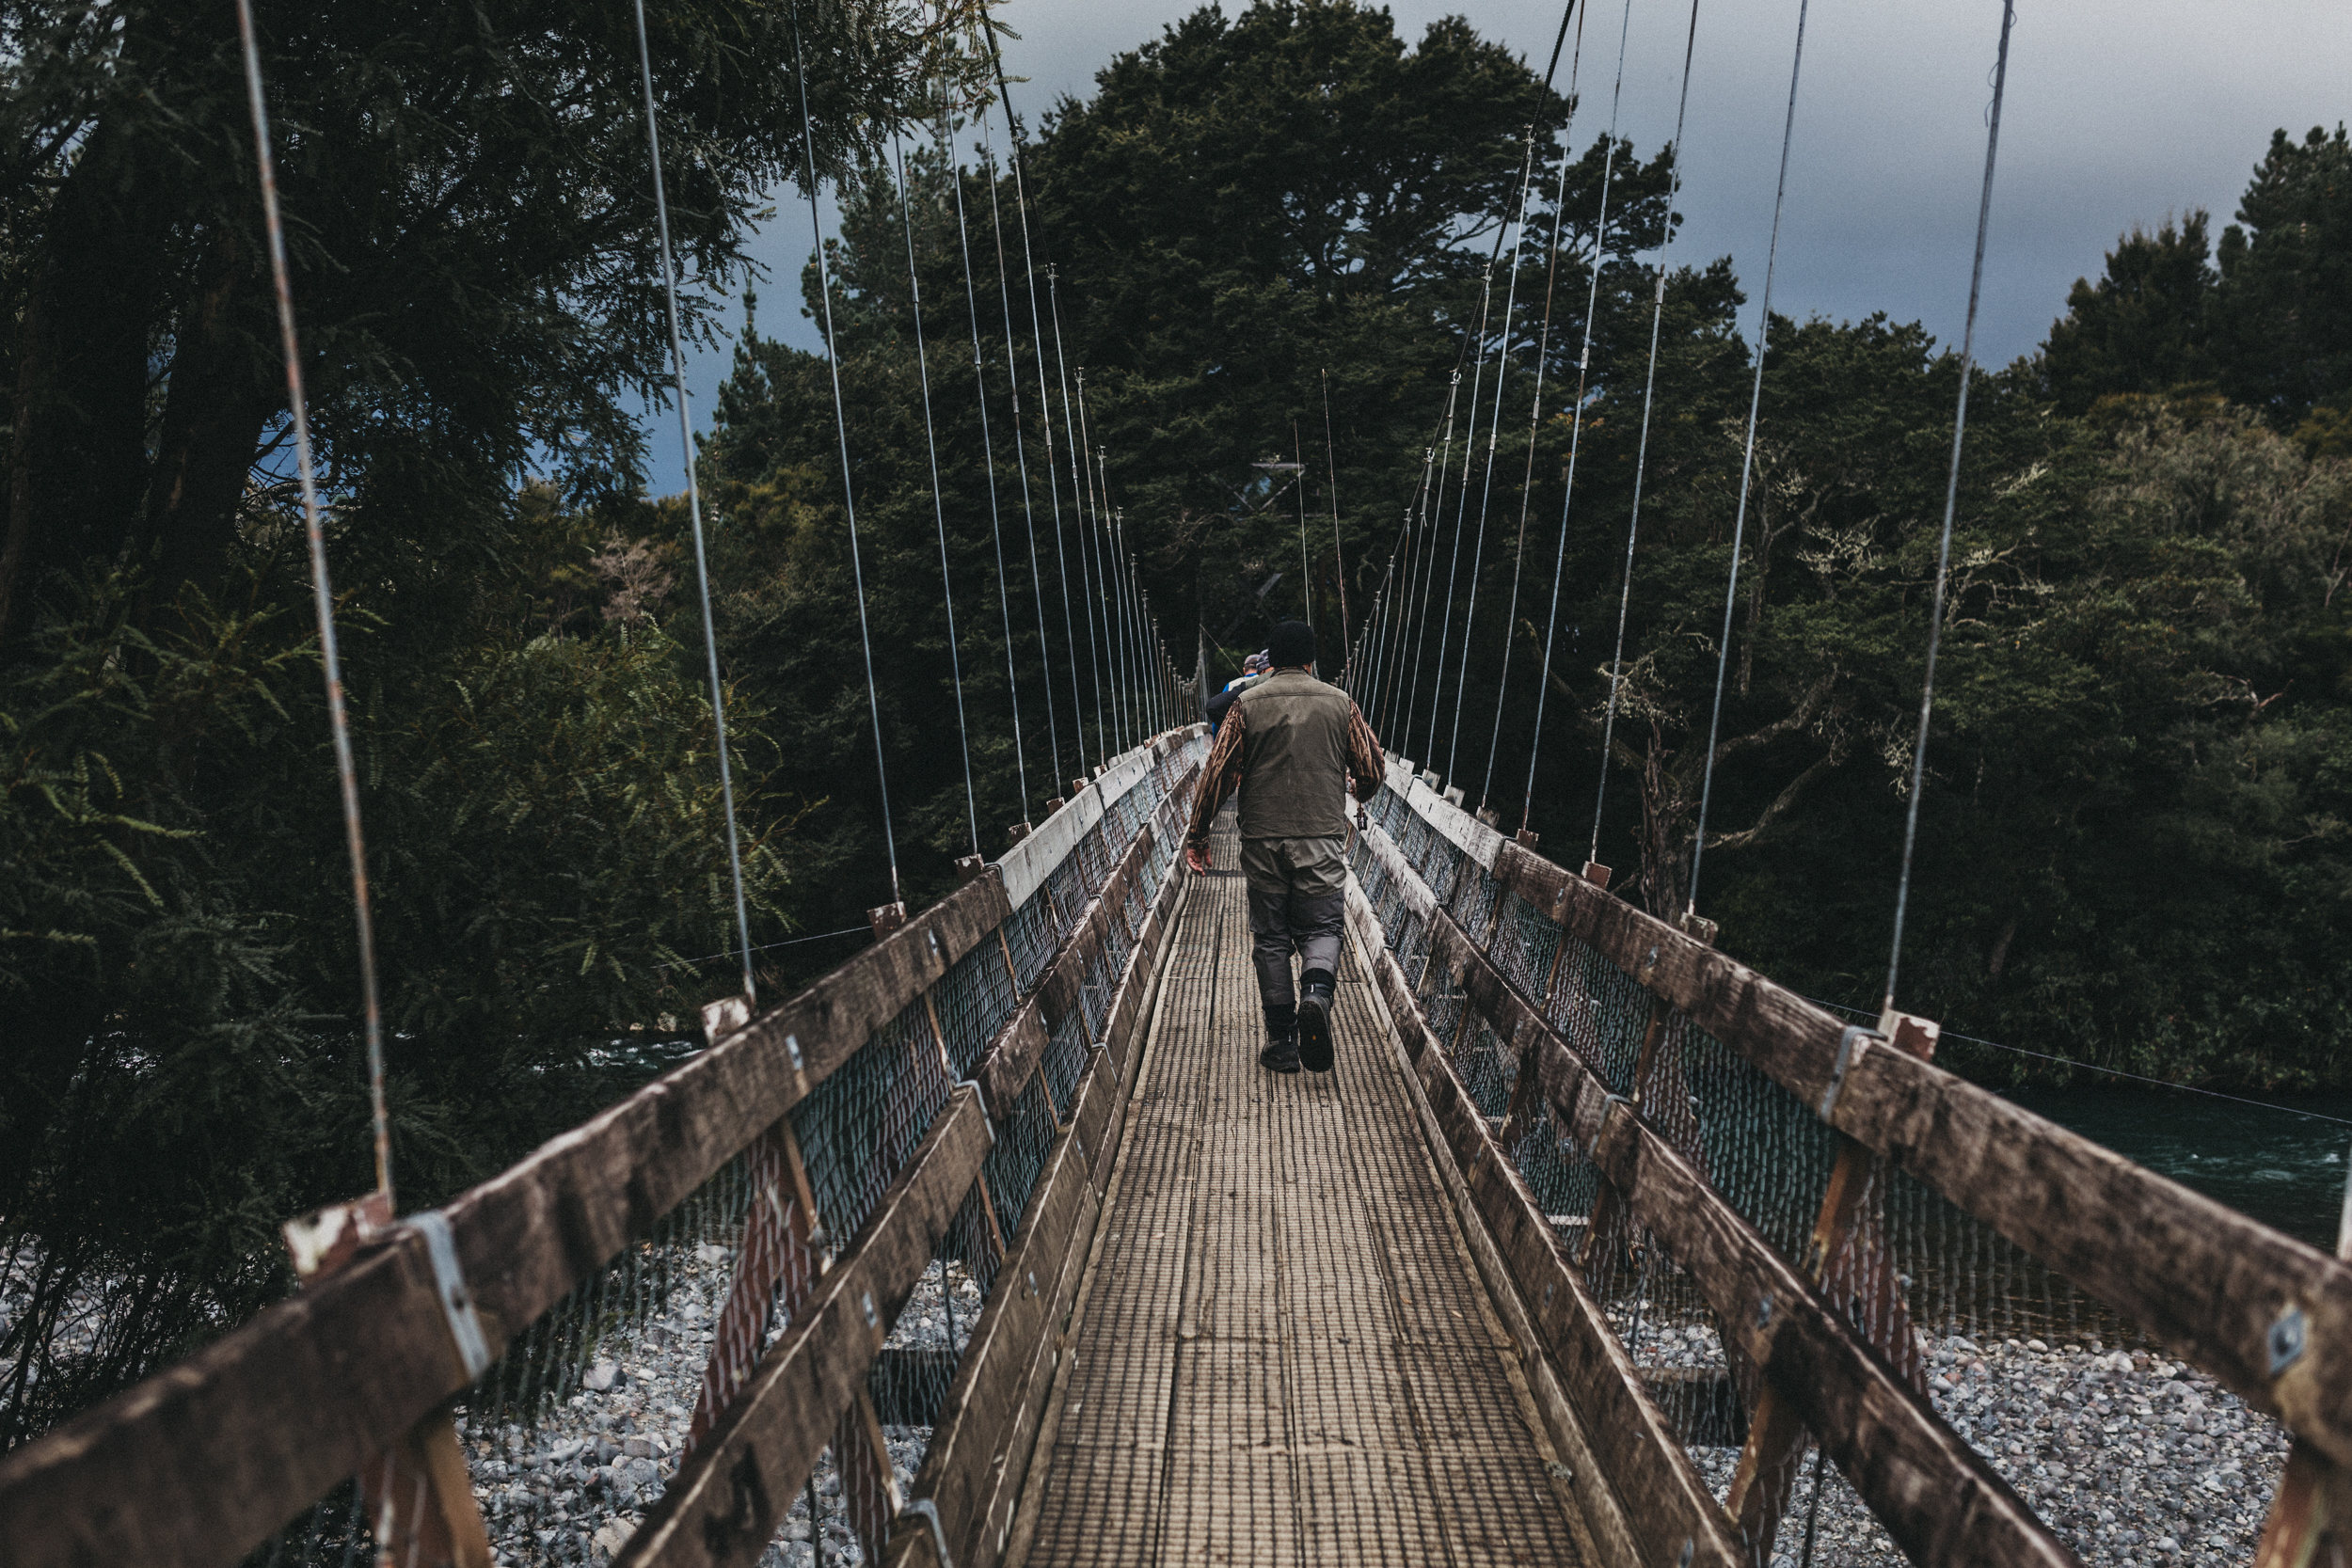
[
  {"x": 1940, "y": 1499},
  {"x": 202, "y": 1461},
  {"x": 2266, "y": 1315}
]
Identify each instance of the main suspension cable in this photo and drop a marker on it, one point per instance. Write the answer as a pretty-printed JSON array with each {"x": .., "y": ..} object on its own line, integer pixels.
[
  {"x": 1747, "y": 467},
  {"x": 841, "y": 428},
  {"x": 322, "y": 598},
  {"x": 938, "y": 503},
  {"x": 1951, "y": 505},
  {"x": 988, "y": 448},
  {"x": 1641, "y": 461}
]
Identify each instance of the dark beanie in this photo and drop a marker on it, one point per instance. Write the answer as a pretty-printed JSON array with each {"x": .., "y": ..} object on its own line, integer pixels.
[{"x": 1294, "y": 643}]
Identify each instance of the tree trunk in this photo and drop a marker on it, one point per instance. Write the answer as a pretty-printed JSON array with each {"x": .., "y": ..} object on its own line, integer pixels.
[
  {"x": 77, "y": 460},
  {"x": 227, "y": 383},
  {"x": 1665, "y": 804}
]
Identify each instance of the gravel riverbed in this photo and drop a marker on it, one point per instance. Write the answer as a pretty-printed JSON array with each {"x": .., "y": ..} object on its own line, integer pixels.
[
  {"x": 2131, "y": 1458},
  {"x": 573, "y": 1487}
]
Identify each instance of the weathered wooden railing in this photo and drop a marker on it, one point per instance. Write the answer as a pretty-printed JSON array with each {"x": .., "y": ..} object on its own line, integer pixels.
[
  {"x": 1718, "y": 1142},
  {"x": 957, "y": 1088}
]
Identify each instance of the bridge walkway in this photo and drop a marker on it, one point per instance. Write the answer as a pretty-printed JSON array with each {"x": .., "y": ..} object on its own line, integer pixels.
[{"x": 1281, "y": 1352}]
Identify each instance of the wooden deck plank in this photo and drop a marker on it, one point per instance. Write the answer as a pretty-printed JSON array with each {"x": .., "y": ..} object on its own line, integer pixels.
[{"x": 1283, "y": 1355}]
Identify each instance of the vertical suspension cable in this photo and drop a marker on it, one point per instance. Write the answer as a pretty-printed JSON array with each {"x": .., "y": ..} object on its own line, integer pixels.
[
  {"x": 1036, "y": 340},
  {"x": 1429, "y": 576},
  {"x": 1367, "y": 680},
  {"x": 1089, "y": 575},
  {"x": 1408, "y": 624},
  {"x": 1951, "y": 506},
  {"x": 1305, "y": 573},
  {"x": 695, "y": 503},
  {"x": 1396, "y": 589},
  {"x": 988, "y": 450},
  {"x": 1138, "y": 647},
  {"x": 841, "y": 428},
  {"x": 1339, "y": 553},
  {"x": 1747, "y": 467},
  {"x": 1641, "y": 461},
  {"x": 1116, "y": 607},
  {"x": 1575, "y": 428},
  {"x": 1494, "y": 434},
  {"x": 323, "y": 599},
  {"x": 1461, "y": 515},
  {"x": 1082, "y": 465},
  {"x": 1020, "y": 457},
  {"x": 939, "y": 508}
]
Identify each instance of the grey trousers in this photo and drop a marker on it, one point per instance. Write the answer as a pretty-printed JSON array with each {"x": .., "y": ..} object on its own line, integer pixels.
[{"x": 1297, "y": 904}]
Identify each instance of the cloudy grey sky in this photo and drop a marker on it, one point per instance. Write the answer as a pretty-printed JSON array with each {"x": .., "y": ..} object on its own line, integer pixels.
[{"x": 2116, "y": 114}]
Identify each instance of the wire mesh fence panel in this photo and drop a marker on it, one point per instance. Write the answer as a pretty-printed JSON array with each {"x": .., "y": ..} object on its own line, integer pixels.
[
  {"x": 1032, "y": 937},
  {"x": 1487, "y": 1067},
  {"x": 1116, "y": 943},
  {"x": 1023, "y": 1139},
  {"x": 1067, "y": 886},
  {"x": 1095, "y": 859},
  {"x": 1600, "y": 1011},
  {"x": 971, "y": 1001},
  {"x": 1064, "y": 1060},
  {"x": 1526, "y": 944},
  {"x": 1472, "y": 903},
  {"x": 857, "y": 1127},
  {"x": 1094, "y": 995}
]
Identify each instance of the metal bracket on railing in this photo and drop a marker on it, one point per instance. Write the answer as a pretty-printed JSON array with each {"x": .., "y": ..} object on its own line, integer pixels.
[
  {"x": 981, "y": 1095},
  {"x": 449, "y": 1284},
  {"x": 929, "y": 1510},
  {"x": 1849, "y": 1046},
  {"x": 1609, "y": 1103}
]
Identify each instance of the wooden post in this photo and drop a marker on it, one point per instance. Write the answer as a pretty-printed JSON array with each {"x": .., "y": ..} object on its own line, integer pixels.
[
  {"x": 2315, "y": 1501},
  {"x": 1847, "y": 1257},
  {"x": 870, "y": 1487},
  {"x": 418, "y": 1494}
]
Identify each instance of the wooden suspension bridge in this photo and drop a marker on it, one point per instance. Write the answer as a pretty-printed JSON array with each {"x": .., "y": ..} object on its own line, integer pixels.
[{"x": 1403, "y": 1312}]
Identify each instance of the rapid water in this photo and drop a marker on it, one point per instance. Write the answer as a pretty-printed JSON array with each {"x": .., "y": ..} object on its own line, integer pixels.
[{"x": 2281, "y": 1162}]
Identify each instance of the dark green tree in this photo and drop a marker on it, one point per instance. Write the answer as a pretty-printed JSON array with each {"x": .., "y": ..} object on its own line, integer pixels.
[
  {"x": 2283, "y": 317},
  {"x": 2142, "y": 327},
  {"x": 470, "y": 218}
]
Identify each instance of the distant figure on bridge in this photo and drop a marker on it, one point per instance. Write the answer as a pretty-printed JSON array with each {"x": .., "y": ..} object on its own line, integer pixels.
[
  {"x": 1251, "y": 669},
  {"x": 1291, "y": 744}
]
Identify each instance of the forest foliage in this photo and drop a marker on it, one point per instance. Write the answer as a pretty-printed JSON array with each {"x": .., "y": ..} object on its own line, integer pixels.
[{"x": 1280, "y": 234}]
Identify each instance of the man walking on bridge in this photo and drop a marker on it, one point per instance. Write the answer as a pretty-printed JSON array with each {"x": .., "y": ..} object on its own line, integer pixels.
[{"x": 1291, "y": 745}]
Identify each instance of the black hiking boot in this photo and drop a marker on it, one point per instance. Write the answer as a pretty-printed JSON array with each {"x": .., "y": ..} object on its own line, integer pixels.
[
  {"x": 1315, "y": 1020},
  {"x": 1280, "y": 1053}
]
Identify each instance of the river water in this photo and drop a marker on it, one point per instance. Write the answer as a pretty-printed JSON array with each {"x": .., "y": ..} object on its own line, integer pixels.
[{"x": 2281, "y": 1162}]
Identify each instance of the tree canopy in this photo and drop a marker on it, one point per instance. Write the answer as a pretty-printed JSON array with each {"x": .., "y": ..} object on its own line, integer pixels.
[{"x": 1083, "y": 396}]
